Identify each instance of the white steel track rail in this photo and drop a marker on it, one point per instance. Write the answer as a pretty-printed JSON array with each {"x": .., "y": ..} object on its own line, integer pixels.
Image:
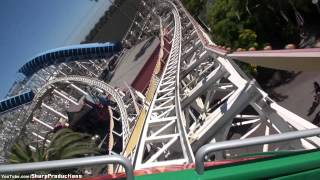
[
  {"x": 50, "y": 87},
  {"x": 216, "y": 124},
  {"x": 201, "y": 95},
  {"x": 214, "y": 92},
  {"x": 164, "y": 139}
]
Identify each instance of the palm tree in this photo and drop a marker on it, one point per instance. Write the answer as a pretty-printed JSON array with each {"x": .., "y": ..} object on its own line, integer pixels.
[{"x": 64, "y": 144}]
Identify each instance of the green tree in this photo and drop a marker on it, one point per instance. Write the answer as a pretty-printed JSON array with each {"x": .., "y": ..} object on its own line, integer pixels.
[
  {"x": 228, "y": 19},
  {"x": 247, "y": 38},
  {"x": 194, "y": 6},
  {"x": 238, "y": 23}
]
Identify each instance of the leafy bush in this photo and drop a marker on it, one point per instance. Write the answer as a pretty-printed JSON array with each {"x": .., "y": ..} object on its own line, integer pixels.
[
  {"x": 250, "y": 23},
  {"x": 247, "y": 38},
  {"x": 64, "y": 144},
  {"x": 194, "y": 6}
]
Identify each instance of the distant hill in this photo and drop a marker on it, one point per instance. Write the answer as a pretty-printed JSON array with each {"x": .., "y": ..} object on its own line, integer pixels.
[{"x": 114, "y": 24}]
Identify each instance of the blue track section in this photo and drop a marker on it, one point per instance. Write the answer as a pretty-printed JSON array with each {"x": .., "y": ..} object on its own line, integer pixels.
[
  {"x": 16, "y": 101},
  {"x": 57, "y": 56},
  {"x": 69, "y": 53}
]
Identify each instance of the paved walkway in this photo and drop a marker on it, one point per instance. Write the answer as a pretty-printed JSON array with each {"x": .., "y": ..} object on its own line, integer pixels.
[{"x": 300, "y": 94}]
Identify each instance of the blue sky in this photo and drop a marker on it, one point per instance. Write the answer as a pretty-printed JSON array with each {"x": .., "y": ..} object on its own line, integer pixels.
[{"x": 29, "y": 27}]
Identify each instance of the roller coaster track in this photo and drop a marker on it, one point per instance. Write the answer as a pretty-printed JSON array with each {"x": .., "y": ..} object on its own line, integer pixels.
[
  {"x": 276, "y": 116},
  {"x": 202, "y": 94},
  {"x": 201, "y": 97},
  {"x": 164, "y": 123},
  {"x": 51, "y": 72},
  {"x": 36, "y": 125}
]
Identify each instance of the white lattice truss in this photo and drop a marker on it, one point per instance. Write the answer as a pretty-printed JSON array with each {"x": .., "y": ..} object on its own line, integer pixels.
[
  {"x": 202, "y": 94},
  {"x": 200, "y": 97}
]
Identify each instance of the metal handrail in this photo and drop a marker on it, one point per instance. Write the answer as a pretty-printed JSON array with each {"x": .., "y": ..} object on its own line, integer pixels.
[
  {"x": 209, "y": 148},
  {"x": 70, "y": 163}
]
